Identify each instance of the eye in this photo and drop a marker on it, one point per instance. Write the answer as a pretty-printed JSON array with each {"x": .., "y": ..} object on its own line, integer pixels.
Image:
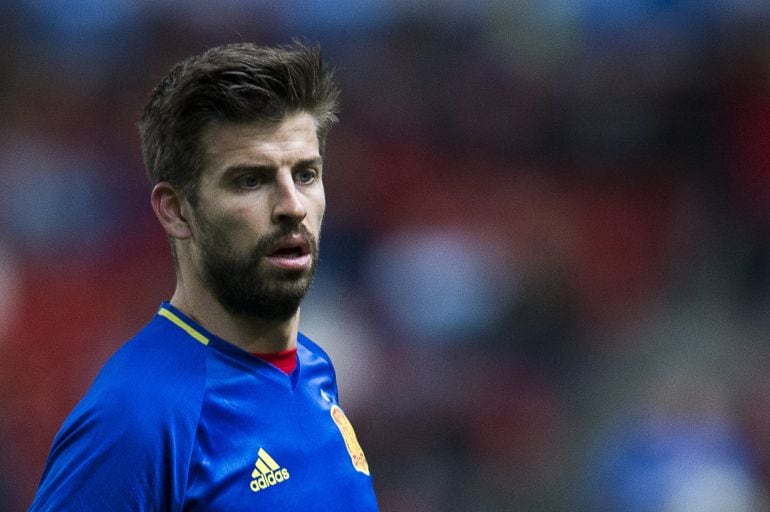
[
  {"x": 249, "y": 181},
  {"x": 306, "y": 176}
]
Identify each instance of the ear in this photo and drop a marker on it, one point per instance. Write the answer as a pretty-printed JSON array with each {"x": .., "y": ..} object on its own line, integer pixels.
[{"x": 168, "y": 205}]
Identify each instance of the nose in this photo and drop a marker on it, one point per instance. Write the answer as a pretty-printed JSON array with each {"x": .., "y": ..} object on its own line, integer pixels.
[{"x": 287, "y": 203}]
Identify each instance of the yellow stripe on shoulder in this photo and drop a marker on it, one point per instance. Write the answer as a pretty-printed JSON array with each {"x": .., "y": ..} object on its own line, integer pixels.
[{"x": 183, "y": 325}]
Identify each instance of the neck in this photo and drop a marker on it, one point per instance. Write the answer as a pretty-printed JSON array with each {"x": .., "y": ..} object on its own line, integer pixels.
[{"x": 253, "y": 335}]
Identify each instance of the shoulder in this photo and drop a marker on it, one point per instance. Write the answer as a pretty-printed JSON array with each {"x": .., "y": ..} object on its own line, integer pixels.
[
  {"x": 153, "y": 381},
  {"x": 152, "y": 387},
  {"x": 157, "y": 366},
  {"x": 306, "y": 344},
  {"x": 310, "y": 354},
  {"x": 159, "y": 352},
  {"x": 317, "y": 365},
  {"x": 137, "y": 421}
]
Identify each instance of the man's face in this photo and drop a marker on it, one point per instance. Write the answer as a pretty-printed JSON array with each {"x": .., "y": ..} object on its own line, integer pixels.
[{"x": 258, "y": 217}]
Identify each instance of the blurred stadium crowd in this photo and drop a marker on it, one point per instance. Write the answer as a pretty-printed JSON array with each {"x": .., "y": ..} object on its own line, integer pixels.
[{"x": 545, "y": 271}]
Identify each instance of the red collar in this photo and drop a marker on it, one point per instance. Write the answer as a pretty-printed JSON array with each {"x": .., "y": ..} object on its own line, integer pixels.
[{"x": 285, "y": 360}]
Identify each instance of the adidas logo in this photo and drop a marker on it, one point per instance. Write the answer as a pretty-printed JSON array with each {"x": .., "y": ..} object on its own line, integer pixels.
[{"x": 267, "y": 472}]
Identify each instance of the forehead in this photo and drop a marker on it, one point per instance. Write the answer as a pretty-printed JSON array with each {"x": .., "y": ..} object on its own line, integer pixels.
[{"x": 277, "y": 143}]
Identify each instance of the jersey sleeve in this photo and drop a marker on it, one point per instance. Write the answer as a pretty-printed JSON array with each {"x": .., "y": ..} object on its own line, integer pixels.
[
  {"x": 127, "y": 445},
  {"x": 116, "y": 453}
]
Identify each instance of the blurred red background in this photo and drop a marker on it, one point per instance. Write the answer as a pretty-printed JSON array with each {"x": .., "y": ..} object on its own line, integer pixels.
[{"x": 545, "y": 271}]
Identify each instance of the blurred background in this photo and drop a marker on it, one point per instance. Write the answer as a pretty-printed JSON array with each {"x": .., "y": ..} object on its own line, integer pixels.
[{"x": 545, "y": 271}]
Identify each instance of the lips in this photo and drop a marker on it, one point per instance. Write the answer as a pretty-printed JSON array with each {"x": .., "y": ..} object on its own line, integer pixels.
[
  {"x": 290, "y": 246},
  {"x": 291, "y": 253}
]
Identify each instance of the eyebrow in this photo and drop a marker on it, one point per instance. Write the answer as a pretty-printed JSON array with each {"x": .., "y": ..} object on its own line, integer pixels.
[{"x": 262, "y": 168}]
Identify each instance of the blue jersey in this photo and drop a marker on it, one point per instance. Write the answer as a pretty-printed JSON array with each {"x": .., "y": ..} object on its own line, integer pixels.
[{"x": 179, "y": 419}]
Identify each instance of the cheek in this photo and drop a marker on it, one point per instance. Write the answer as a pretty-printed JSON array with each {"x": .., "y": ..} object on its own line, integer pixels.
[
  {"x": 317, "y": 209},
  {"x": 249, "y": 215},
  {"x": 237, "y": 229}
]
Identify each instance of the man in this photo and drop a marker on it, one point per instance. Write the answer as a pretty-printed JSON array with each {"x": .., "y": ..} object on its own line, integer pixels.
[{"x": 219, "y": 403}]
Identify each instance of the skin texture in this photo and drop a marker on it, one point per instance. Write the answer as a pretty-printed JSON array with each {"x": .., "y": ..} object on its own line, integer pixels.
[{"x": 261, "y": 190}]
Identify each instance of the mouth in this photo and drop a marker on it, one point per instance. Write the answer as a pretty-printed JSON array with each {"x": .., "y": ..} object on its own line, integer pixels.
[
  {"x": 291, "y": 246},
  {"x": 291, "y": 253}
]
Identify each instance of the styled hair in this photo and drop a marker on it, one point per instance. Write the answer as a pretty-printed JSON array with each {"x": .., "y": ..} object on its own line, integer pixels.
[{"x": 237, "y": 83}]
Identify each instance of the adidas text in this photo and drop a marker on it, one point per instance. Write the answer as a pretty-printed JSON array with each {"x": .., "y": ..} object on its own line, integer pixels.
[{"x": 270, "y": 479}]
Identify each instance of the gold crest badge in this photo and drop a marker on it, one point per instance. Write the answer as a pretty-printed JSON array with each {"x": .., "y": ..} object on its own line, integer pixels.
[{"x": 351, "y": 441}]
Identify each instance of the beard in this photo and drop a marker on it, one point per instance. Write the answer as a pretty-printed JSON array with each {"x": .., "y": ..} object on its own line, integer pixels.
[{"x": 243, "y": 285}]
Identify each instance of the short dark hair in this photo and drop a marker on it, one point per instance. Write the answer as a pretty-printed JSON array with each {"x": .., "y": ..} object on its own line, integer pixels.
[{"x": 239, "y": 82}]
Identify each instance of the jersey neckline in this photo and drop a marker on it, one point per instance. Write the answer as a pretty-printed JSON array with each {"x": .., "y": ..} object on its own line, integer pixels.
[{"x": 211, "y": 340}]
